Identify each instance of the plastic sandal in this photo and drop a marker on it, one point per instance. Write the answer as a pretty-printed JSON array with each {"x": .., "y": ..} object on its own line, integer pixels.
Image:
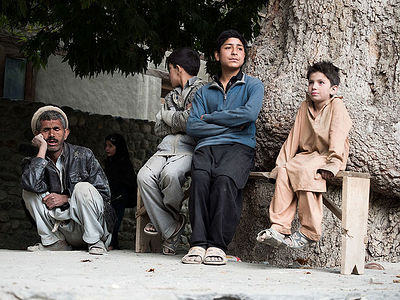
[
  {"x": 195, "y": 251},
  {"x": 148, "y": 231},
  {"x": 215, "y": 252},
  {"x": 298, "y": 240},
  {"x": 272, "y": 238},
  {"x": 170, "y": 245}
]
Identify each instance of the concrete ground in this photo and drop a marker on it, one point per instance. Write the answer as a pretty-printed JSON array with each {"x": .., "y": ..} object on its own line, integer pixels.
[{"x": 127, "y": 275}]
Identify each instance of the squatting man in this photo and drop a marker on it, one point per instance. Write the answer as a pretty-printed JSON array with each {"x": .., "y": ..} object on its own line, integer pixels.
[{"x": 65, "y": 189}]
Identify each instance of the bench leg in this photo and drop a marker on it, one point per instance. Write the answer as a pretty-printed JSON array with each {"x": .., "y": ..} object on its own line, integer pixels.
[
  {"x": 355, "y": 201},
  {"x": 144, "y": 241}
]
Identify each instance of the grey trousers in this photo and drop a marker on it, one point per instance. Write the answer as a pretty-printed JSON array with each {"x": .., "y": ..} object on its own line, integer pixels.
[
  {"x": 160, "y": 183},
  {"x": 83, "y": 222}
]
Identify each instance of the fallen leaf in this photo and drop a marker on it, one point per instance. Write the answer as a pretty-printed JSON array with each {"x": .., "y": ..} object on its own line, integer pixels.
[
  {"x": 85, "y": 260},
  {"x": 374, "y": 266},
  {"x": 302, "y": 261},
  {"x": 398, "y": 276},
  {"x": 307, "y": 272},
  {"x": 150, "y": 270},
  {"x": 396, "y": 281}
]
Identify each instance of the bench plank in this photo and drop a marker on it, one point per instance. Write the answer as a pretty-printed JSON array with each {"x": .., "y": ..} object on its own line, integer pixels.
[{"x": 342, "y": 174}]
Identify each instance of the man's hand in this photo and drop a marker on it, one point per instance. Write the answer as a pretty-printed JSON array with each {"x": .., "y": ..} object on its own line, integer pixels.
[
  {"x": 39, "y": 142},
  {"x": 54, "y": 200},
  {"x": 325, "y": 174}
]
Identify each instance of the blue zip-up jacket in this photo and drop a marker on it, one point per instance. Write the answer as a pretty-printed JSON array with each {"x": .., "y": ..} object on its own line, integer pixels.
[{"x": 227, "y": 117}]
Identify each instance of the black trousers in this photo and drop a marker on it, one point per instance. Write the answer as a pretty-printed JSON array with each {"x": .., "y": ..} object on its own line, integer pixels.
[{"x": 219, "y": 174}]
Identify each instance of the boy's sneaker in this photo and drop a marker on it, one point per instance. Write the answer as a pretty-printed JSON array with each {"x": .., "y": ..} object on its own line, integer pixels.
[
  {"x": 272, "y": 238},
  {"x": 60, "y": 245},
  {"x": 297, "y": 240}
]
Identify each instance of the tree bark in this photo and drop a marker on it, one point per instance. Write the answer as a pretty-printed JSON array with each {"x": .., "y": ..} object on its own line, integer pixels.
[{"x": 362, "y": 38}]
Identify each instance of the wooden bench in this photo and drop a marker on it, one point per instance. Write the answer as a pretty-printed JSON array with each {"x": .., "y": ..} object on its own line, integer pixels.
[
  {"x": 354, "y": 217},
  {"x": 353, "y": 214}
]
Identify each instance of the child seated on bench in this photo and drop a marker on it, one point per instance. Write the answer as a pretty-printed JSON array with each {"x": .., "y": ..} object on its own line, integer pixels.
[
  {"x": 316, "y": 149},
  {"x": 161, "y": 179}
]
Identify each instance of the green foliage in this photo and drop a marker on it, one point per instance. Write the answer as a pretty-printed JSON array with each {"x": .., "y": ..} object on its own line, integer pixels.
[{"x": 97, "y": 36}]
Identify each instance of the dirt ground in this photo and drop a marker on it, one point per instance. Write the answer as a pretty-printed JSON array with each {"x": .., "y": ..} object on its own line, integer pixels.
[{"x": 127, "y": 275}]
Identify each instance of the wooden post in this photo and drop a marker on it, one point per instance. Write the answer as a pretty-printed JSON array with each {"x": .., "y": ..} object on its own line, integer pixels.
[{"x": 355, "y": 200}]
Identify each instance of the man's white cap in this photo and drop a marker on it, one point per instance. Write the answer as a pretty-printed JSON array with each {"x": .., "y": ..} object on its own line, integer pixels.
[{"x": 43, "y": 109}]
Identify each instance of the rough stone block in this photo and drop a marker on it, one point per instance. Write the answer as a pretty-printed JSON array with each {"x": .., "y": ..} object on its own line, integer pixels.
[
  {"x": 5, "y": 227},
  {"x": 15, "y": 224},
  {"x": 146, "y": 128},
  {"x": 3, "y": 194},
  {"x": 6, "y": 204},
  {"x": 17, "y": 214},
  {"x": 4, "y": 217}
]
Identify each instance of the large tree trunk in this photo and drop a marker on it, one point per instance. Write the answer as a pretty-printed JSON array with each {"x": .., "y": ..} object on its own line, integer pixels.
[{"x": 362, "y": 38}]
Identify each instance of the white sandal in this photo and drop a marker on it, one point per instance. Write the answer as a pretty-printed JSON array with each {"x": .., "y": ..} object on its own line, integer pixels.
[
  {"x": 215, "y": 252},
  {"x": 195, "y": 251}
]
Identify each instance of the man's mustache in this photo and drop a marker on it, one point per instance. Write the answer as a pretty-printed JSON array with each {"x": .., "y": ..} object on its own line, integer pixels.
[{"x": 52, "y": 140}]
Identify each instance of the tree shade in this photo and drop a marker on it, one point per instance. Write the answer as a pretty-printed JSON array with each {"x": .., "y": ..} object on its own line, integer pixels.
[{"x": 96, "y": 36}]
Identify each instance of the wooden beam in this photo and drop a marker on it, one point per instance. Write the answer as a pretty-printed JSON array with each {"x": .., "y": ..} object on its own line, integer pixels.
[
  {"x": 263, "y": 175},
  {"x": 332, "y": 207}
]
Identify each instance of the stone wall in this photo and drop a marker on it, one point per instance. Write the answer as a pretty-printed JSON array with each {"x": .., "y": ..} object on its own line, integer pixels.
[{"x": 89, "y": 130}]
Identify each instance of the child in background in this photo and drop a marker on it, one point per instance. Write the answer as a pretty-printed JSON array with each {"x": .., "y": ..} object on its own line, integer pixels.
[{"x": 122, "y": 180}]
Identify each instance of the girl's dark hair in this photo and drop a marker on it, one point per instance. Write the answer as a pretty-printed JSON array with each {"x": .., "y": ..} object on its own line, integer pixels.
[
  {"x": 187, "y": 58},
  {"x": 119, "y": 142},
  {"x": 326, "y": 68}
]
